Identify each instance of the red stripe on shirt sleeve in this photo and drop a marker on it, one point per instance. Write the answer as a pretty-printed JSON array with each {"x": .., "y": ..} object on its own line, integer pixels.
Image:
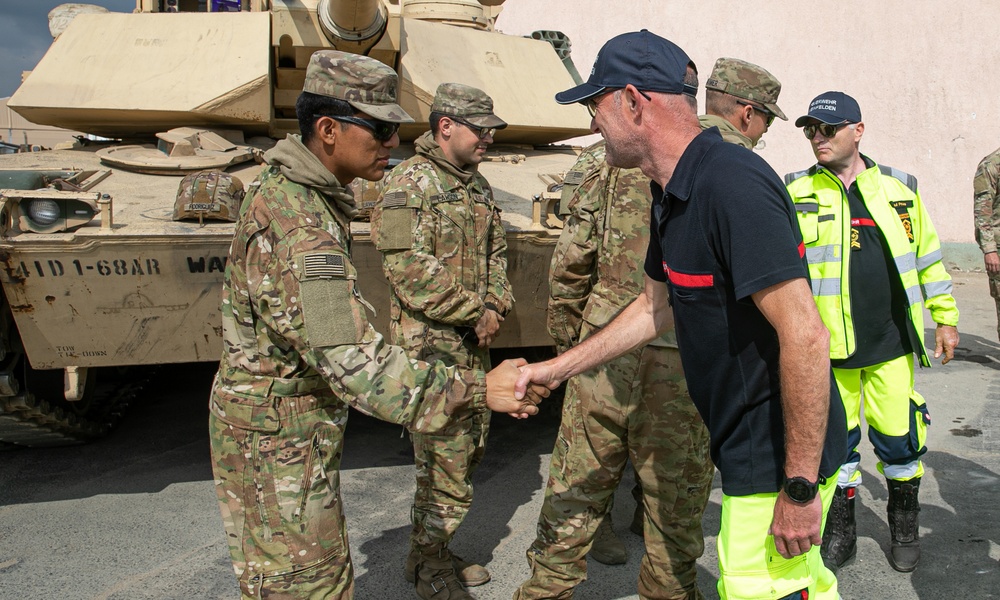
[
  {"x": 862, "y": 223},
  {"x": 802, "y": 249}
]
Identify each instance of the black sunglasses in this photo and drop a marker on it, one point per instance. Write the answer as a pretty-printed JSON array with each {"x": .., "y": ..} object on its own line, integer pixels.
[
  {"x": 381, "y": 130},
  {"x": 824, "y": 129},
  {"x": 482, "y": 132},
  {"x": 768, "y": 115}
]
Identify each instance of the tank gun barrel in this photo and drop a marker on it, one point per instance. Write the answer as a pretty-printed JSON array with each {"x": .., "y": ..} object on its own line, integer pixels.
[{"x": 352, "y": 25}]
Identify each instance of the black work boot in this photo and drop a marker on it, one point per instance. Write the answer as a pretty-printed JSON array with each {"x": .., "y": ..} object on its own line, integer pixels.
[
  {"x": 840, "y": 538},
  {"x": 435, "y": 575},
  {"x": 904, "y": 526}
]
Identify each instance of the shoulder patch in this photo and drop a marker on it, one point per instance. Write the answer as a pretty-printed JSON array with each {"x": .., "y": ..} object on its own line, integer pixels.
[
  {"x": 324, "y": 265},
  {"x": 325, "y": 304},
  {"x": 394, "y": 200},
  {"x": 573, "y": 178},
  {"x": 908, "y": 180},
  {"x": 396, "y": 228}
]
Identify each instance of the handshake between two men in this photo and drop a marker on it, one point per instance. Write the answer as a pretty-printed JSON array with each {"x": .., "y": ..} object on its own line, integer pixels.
[{"x": 504, "y": 395}]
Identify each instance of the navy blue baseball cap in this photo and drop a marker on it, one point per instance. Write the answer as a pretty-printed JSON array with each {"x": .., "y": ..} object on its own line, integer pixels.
[
  {"x": 832, "y": 108},
  {"x": 644, "y": 59}
]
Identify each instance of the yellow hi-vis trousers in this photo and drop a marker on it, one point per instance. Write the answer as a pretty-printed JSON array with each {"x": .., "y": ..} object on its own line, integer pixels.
[
  {"x": 749, "y": 566},
  {"x": 896, "y": 414}
]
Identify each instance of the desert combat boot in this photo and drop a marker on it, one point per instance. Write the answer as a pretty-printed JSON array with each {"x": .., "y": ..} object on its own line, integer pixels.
[
  {"x": 470, "y": 574},
  {"x": 435, "y": 576},
  {"x": 608, "y": 548}
]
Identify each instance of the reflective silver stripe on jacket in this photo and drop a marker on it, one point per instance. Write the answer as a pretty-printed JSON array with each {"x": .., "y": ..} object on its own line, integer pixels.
[
  {"x": 936, "y": 288},
  {"x": 826, "y": 287},
  {"x": 929, "y": 259},
  {"x": 906, "y": 262},
  {"x": 822, "y": 254},
  {"x": 913, "y": 295}
]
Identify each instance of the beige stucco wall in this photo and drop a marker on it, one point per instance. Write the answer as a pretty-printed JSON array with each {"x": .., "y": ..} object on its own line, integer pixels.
[{"x": 926, "y": 74}]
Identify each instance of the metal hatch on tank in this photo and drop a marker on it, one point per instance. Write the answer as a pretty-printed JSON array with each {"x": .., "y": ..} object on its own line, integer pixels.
[{"x": 89, "y": 307}]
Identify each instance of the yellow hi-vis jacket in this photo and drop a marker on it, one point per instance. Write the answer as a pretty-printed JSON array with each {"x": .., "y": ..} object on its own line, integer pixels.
[{"x": 825, "y": 220}]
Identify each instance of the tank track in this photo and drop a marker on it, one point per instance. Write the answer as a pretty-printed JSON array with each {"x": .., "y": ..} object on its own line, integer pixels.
[{"x": 26, "y": 420}]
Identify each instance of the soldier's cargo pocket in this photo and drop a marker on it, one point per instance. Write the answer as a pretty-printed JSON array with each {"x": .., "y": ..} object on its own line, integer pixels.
[
  {"x": 297, "y": 517},
  {"x": 250, "y": 413},
  {"x": 306, "y": 480}
]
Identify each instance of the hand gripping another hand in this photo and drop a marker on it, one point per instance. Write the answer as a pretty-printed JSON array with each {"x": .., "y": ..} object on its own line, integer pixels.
[{"x": 500, "y": 396}]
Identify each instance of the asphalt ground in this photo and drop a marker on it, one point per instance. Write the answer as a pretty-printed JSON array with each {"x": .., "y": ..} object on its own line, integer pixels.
[{"x": 134, "y": 516}]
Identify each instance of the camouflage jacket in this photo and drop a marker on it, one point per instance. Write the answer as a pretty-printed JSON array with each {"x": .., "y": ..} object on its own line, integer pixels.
[
  {"x": 728, "y": 131},
  {"x": 294, "y": 323},
  {"x": 597, "y": 266},
  {"x": 444, "y": 251},
  {"x": 986, "y": 205}
]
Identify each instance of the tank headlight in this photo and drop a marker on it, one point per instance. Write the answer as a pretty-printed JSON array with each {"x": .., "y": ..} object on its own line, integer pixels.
[
  {"x": 48, "y": 211},
  {"x": 44, "y": 212}
]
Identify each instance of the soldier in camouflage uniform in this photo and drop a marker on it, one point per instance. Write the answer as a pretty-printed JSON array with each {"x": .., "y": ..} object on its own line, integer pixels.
[
  {"x": 741, "y": 99},
  {"x": 987, "y": 211},
  {"x": 636, "y": 406},
  {"x": 298, "y": 348},
  {"x": 444, "y": 253}
]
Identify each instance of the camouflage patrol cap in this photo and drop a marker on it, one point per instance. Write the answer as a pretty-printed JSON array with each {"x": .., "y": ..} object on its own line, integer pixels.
[
  {"x": 365, "y": 83},
  {"x": 748, "y": 81},
  {"x": 467, "y": 103},
  {"x": 213, "y": 195}
]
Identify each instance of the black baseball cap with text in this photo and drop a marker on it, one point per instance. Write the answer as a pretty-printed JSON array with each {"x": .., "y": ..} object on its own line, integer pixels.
[
  {"x": 643, "y": 59},
  {"x": 832, "y": 108}
]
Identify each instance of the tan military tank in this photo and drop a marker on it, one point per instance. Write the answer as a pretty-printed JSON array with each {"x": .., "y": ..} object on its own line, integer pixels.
[{"x": 98, "y": 280}]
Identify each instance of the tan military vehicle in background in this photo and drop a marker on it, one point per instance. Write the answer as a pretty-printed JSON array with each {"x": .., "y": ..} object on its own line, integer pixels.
[{"x": 99, "y": 280}]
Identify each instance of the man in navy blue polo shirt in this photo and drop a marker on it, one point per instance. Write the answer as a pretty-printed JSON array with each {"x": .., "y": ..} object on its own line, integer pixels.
[{"x": 726, "y": 254}]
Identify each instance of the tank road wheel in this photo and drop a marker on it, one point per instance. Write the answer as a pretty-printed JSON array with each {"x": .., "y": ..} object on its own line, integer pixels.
[{"x": 33, "y": 408}]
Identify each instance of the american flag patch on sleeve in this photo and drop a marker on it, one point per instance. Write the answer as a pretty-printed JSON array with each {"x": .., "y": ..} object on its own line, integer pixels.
[
  {"x": 324, "y": 265},
  {"x": 394, "y": 200}
]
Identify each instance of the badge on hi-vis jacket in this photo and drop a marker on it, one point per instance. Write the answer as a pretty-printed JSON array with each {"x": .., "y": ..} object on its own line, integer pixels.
[
  {"x": 902, "y": 209},
  {"x": 322, "y": 266}
]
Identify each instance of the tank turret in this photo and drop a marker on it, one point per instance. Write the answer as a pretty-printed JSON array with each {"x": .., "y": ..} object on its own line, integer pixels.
[
  {"x": 100, "y": 275},
  {"x": 166, "y": 66}
]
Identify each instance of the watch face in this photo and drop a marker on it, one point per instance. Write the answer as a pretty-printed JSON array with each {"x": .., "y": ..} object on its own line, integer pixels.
[{"x": 800, "y": 490}]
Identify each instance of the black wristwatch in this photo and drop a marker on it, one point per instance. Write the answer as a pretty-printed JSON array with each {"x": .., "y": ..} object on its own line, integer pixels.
[{"x": 800, "y": 490}]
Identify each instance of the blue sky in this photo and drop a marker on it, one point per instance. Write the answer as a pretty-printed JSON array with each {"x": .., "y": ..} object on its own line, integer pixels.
[{"x": 24, "y": 35}]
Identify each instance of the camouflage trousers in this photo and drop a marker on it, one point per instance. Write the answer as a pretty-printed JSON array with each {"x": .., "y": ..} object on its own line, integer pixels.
[
  {"x": 995, "y": 292},
  {"x": 279, "y": 491},
  {"x": 445, "y": 464},
  {"x": 635, "y": 407}
]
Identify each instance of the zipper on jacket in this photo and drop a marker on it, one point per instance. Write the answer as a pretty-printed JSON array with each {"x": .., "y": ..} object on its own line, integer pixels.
[{"x": 306, "y": 486}]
